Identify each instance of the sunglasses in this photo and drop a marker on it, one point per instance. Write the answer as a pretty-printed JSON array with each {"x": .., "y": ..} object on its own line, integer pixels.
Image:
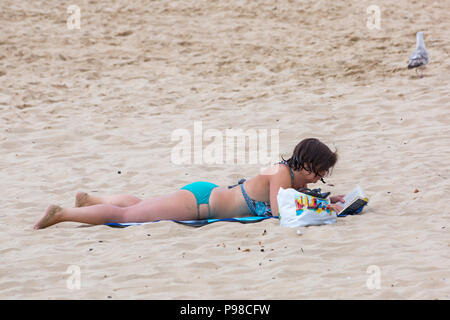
[{"x": 321, "y": 178}]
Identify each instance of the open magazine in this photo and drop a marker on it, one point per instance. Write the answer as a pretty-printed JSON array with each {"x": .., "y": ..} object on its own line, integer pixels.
[{"x": 354, "y": 202}]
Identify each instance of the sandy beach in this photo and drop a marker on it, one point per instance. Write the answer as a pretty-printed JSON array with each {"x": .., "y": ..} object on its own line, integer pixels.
[{"x": 94, "y": 109}]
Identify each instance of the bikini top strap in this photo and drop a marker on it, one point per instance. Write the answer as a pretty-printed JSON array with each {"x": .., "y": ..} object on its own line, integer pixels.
[
  {"x": 239, "y": 182},
  {"x": 250, "y": 203},
  {"x": 290, "y": 169}
]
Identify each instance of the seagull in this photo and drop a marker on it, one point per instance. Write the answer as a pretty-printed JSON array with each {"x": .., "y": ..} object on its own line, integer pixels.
[{"x": 419, "y": 57}]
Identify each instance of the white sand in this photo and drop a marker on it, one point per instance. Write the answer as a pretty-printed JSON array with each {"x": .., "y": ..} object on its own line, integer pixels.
[{"x": 77, "y": 106}]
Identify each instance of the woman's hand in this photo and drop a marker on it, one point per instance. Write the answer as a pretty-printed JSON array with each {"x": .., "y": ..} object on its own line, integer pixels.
[
  {"x": 336, "y": 208},
  {"x": 339, "y": 198}
]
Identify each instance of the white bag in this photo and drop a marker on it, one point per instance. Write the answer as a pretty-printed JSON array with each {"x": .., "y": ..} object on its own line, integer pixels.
[{"x": 297, "y": 209}]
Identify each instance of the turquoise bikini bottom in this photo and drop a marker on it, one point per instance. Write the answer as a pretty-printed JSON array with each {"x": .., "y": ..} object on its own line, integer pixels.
[{"x": 201, "y": 191}]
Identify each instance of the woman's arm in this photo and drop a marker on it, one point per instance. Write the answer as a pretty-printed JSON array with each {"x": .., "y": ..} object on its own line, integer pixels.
[{"x": 276, "y": 181}]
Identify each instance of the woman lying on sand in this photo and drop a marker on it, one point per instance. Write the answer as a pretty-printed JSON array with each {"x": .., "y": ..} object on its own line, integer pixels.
[{"x": 309, "y": 163}]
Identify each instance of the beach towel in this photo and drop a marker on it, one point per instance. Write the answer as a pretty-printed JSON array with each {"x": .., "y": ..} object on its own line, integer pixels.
[{"x": 196, "y": 223}]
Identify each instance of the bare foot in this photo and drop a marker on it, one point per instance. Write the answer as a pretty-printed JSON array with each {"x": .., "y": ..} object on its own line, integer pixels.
[
  {"x": 81, "y": 200},
  {"x": 49, "y": 218}
]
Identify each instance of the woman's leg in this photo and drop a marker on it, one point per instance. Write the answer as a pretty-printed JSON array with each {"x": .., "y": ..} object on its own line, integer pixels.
[
  {"x": 180, "y": 205},
  {"x": 96, "y": 214},
  {"x": 122, "y": 200}
]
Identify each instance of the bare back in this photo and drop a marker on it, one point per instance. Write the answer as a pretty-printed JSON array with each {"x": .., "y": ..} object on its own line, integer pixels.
[{"x": 227, "y": 203}]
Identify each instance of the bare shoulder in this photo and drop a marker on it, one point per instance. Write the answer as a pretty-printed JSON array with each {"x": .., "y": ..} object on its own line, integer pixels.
[{"x": 278, "y": 173}]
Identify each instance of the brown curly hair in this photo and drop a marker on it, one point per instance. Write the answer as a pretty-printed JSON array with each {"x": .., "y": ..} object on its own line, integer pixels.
[{"x": 312, "y": 155}]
